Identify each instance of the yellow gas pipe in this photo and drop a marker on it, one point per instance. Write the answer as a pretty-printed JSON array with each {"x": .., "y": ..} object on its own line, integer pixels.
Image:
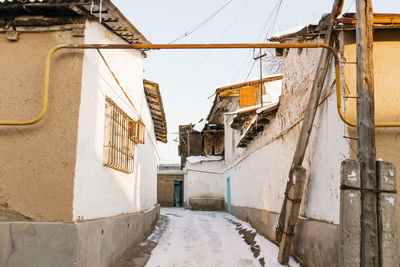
[{"x": 189, "y": 46}]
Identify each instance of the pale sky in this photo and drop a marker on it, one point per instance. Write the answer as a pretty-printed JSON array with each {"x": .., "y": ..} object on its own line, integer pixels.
[{"x": 188, "y": 77}]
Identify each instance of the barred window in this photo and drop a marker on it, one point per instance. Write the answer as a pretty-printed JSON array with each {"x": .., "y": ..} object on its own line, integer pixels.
[{"x": 119, "y": 144}]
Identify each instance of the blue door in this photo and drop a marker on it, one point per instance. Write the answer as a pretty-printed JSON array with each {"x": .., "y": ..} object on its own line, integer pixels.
[
  {"x": 177, "y": 193},
  {"x": 228, "y": 193}
]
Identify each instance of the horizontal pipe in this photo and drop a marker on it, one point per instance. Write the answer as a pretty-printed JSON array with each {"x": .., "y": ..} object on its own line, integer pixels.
[
  {"x": 188, "y": 46},
  {"x": 145, "y": 46}
]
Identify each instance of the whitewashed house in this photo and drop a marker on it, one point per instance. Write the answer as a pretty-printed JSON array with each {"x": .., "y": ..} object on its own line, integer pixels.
[
  {"x": 205, "y": 147},
  {"x": 79, "y": 187}
]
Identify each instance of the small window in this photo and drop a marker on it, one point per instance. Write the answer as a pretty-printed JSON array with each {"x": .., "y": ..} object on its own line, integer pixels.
[
  {"x": 118, "y": 152},
  {"x": 136, "y": 131}
]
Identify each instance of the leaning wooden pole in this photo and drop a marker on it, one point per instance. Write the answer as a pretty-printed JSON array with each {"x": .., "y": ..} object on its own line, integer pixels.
[
  {"x": 366, "y": 134},
  {"x": 311, "y": 110}
]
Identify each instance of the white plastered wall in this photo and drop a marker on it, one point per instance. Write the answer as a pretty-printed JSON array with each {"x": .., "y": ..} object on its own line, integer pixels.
[
  {"x": 259, "y": 172},
  {"x": 204, "y": 180},
  {"x": 100, "y": 191}
]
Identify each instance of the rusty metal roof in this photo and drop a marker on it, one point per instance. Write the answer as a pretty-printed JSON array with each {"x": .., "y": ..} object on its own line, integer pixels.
[
  {"x": 153, "y": 96},
  {"x": 346, "y": 22},
  {"x": 109, "y": 15}
]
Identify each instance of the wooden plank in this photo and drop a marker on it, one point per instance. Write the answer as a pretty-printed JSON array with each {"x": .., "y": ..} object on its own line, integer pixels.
[
  {"x": 195, "y": 144},
  {"x": 312, "y": 106},
  {"x": 247, "y": 96},
  {"x": 158, "y": 123},
  {"x": 366, "y": 134},
  {"x": 219, "y": 143},
  {"x": 292, "y": 213},
  {"x": 208, "y": 144},
  {"x": 245, "y": 84}
]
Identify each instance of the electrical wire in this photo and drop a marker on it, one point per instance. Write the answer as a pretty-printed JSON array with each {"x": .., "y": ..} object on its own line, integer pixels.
[
  {"x": 188, "y": 32},
  {"x": 350, "y": 6},
  {"x": 261, "y": 31},
  {"x": 210, "y": 51},
  {"x": 248, "y": 74},
  {"x": 272, "y": 27},
  {"x": 275, "y": 12}
]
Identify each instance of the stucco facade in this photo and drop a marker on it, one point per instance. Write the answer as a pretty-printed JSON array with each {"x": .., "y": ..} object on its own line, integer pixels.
[
  {"x": 126, "y": 193},
  {"x": 53, "y": 170},
  {"x": 59, "y": 205},
  {"x": 38, "y": 161},
  {"x": 204, "y": 185}
]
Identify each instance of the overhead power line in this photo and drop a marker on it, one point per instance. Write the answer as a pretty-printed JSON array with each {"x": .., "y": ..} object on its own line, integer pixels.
[
  {"x": 188, "y": 32},
  {"x": 188, "y": 77},
  {"x": 271, "y": 28},
  {"x": 260, "y": 32}
]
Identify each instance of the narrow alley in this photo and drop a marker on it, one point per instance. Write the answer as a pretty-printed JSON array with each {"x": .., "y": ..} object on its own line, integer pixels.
[
  {"x": 206, "y": 238},
  {"x": 199, "y": 133}
]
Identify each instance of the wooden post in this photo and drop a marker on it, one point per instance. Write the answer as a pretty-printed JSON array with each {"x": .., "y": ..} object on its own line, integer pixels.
[
  {"x": 387, "y": 205},
  {"x": 350, "y": 214},
  {"x": 366, "y": 134},
  {"x": 311, "y": 110},
  {"x": 292, "y": 213}
]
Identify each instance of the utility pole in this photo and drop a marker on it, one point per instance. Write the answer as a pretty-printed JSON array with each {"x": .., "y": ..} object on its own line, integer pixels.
[
  {"x": 366, "y": 134},
  {"x": 302, "y": 142}
]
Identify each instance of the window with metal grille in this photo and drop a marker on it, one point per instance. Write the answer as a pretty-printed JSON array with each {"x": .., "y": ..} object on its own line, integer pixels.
[{"x": 119, "y": 144}]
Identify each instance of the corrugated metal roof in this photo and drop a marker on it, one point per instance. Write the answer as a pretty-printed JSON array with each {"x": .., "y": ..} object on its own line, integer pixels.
[{"x": 100, "y": 10}]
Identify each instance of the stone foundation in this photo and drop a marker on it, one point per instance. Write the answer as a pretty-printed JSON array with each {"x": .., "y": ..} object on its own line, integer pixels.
[
  {"x": 208, "y": 204},
  {"x": 103, "y": 242},
  {"x": 316, "y": 243}
]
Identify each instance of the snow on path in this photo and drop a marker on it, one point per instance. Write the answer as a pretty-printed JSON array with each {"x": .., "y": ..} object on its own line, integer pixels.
[{"x": 200, "y": 238}]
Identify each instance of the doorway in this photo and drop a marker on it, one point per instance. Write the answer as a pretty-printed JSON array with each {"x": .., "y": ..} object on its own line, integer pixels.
[
  {"x": 228, "y": 194},
  {"x": 178, "y": 194}
]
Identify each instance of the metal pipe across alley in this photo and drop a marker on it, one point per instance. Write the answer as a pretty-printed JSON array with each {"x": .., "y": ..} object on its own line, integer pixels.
[{"x": 190, "y": 46}]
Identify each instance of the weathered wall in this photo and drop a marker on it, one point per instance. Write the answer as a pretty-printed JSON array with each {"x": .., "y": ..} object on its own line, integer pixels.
[
  {"x": 310, "y": 246},
  {"x": 387, "y": 93},
  {"x": 102, "y": 242},
  {"x": 204, "y": 180},
  {"x": 259, "y": 172},
  {"x": 100, "y": 191},
  {"x": 38, "y": 162}
]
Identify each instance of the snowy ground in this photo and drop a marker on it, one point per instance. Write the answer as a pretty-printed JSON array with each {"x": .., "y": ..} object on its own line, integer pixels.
[{"x": 200, "y": 238}]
